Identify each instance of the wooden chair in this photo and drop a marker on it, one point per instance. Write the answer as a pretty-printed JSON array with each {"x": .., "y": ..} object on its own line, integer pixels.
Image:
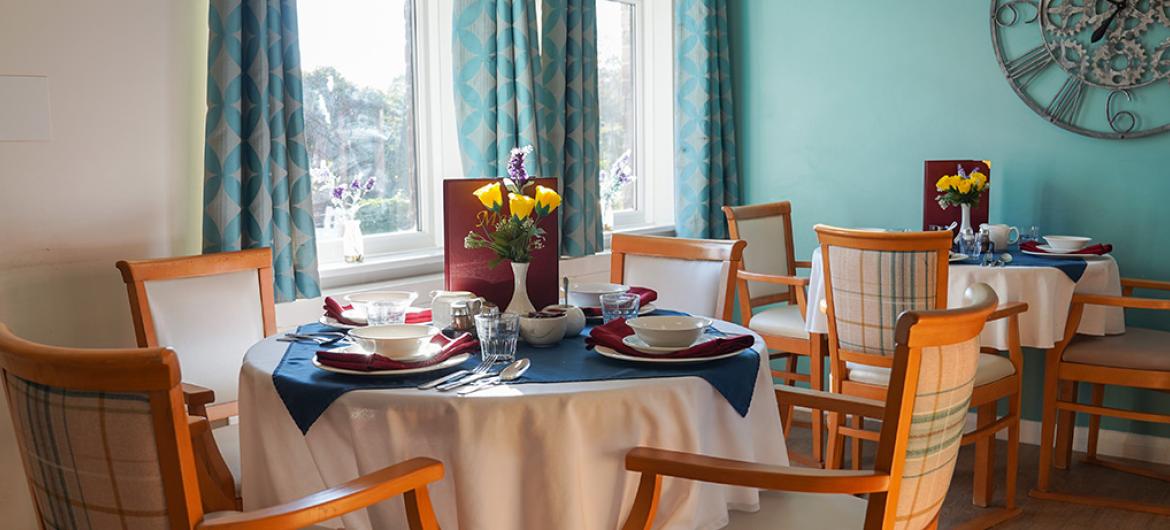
[
  {"x": 933, "y": 365},
  {"x": 1138, "y": 359},
  {"x": 107, "y": 443},
  {"x": 768, "y": 278},
  {"x": 871, "y": 277},
  {"x": 692, "y": 275},
  {"x": 211, "y": 308}
]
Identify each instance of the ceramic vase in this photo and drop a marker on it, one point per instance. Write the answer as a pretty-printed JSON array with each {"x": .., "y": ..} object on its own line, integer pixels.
[{"x": 520, "y": 304}]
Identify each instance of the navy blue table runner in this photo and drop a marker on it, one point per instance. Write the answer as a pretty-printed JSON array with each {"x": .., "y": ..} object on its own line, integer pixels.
[{"x": 1074, "y": 268}]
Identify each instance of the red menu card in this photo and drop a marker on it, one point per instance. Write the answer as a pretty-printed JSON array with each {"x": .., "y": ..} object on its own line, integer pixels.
[
  {"x": 469, "y": 270},
  {"x": 932, "y": 213}
]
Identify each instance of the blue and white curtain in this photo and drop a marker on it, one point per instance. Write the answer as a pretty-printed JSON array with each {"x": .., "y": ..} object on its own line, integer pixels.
[
  {"x": 509, "y": 93},
  {"x": 257, "y": 190},
  {"x": 706, "y": 174}
]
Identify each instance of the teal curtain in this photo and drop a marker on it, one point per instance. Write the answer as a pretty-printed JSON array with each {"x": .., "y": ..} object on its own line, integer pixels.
[
  {"x": 257, "y": 189},
  {"x": 706, "y": 174},
  {"x": 510, "y": 94}
]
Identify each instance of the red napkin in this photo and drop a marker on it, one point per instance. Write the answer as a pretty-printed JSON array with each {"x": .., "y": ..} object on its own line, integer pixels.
[
  {"x": 370, "y": 362},
  {"x": 334, "y": 309},
  {"x": 646, "y": 295},
  {"x": 610, "y": 335},
  {"x": 1092, "y": 250}
]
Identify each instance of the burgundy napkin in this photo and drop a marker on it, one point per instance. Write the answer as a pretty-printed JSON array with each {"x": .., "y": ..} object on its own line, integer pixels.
[
  {"x": 1092, "y": 250},
  {"x": 334, "y": 309},
  {"x": 646, "y": 295},
  {"x": 610, "y": 335},
  {"x": 370, "y": 362}
]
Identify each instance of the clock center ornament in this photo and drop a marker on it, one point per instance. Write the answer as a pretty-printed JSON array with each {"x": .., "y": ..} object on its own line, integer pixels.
[{"x": 1096, "y": 67}]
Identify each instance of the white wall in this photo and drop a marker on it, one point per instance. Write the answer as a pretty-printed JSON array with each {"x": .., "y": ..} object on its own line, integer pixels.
[{"x": 120, "y": 177}]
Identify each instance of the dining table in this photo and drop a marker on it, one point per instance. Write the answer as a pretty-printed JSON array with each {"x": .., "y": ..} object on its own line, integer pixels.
[
  {"x": 1046, "y": 284},
  {"x": 535, "y": 454}
]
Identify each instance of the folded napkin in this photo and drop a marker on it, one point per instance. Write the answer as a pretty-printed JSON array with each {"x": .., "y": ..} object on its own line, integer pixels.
[
  {"x": 334, "y": 310},
  {"x": 610, "y": 335},
  {"x": 1092, "y": 250},
  {"x": 370, "y": 362},
  {"x": 645, "y": 296}
]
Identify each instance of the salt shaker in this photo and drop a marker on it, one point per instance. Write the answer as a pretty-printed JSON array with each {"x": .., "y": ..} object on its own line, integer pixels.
[{"x": 461, "y": 318}]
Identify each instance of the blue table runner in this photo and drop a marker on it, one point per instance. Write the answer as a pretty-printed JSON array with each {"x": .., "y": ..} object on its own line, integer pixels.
[
  {"x": 307, "y": 390},
  {"x": 1074, "y": 268}
]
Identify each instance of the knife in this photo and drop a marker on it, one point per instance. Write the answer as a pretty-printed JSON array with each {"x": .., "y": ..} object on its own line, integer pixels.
[
  {"x": 444, "y": 379},
  {"x": 463, "y": 381},
  {"x": 479, "y": 385}
]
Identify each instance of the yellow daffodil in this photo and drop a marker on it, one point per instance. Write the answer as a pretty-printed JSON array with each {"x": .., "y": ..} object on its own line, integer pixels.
[
  {"x": 964, "y": 185},
  {"x": 491, "y": 195},
  {"x": 521, "y": 205},
  {"x": 547, "y": 200},
  {"x": 980, "y": 180},
  {"x": 944, "y": 183}
]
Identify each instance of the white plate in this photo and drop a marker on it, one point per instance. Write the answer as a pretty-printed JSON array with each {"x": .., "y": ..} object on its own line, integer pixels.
[
  {"x": 638, "y": 344},
  {"x": 642, "y": 311},
  {"x": 449, "y": 363},
  {"x": 606, "y": 352},
  {"x": 955, "y": 256},
  {"x": 335, "y": 324},
  {"x": 1057, "y": 255},
  {"x": 356, "y": 315}
]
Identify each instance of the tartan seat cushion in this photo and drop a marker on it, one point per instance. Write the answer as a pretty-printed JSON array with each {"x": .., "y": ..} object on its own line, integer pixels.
[
  {"x": 90, "y": 457},
  {"x": 872, "y": 287}
]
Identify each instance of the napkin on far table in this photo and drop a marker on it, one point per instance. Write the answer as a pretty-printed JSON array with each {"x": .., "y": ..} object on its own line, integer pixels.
[
  {"x": 1092, "y": 250},
  {"x": 369, "y": 362},
  {"x": 334, "y": 310},
  {"x": 645, "y": 296},
  {"x": 610, "y": 335}
]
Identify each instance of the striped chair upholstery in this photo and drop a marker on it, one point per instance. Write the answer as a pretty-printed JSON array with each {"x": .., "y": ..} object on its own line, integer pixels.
[
  {"x": 871, "y": 288},
  {"x": 90, "y": 457}
]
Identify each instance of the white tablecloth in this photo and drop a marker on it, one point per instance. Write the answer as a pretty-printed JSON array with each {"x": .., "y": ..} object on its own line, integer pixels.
[
  {"x": 536, "y": 456},
  {"x": 1047, "y": 291}
]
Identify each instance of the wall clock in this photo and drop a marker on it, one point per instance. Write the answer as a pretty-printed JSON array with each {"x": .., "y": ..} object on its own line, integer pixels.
[{"x": 1100, "y": 68}]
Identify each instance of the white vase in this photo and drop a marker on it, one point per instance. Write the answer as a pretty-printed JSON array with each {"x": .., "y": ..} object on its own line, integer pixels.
[
  {"x": 353, "y": 245},
  {"x": 520, "y": 304},
  {"x": 965, "y": 223}
]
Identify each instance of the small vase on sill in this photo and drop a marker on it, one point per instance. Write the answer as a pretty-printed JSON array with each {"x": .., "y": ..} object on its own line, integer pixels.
[
  {"x": 520, "y": 304},
  {"x": 353, "y": 245}
]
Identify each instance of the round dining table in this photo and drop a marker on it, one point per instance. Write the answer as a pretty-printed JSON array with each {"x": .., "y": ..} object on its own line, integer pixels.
[{"x": 521, "y": 456}]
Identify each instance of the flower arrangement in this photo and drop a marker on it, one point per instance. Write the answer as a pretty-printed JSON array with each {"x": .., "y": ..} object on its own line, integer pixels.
[
  {"x": 346, "y": 197},
  {"x": 961, "y": 189},
  {"x": 512, "y": 237}
]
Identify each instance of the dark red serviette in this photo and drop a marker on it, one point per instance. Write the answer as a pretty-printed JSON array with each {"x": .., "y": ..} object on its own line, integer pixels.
[
  {"x": 610, "y": 335},
  {"x": 1092, "y": 250},
  {"x": 645, "y": 296},
  {"x": 334, "y": 309},
  {"x": 370, "y": 362}
]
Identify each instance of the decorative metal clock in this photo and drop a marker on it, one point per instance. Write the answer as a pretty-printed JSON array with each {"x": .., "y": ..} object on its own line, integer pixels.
[{"x": 1100, "y": 68}]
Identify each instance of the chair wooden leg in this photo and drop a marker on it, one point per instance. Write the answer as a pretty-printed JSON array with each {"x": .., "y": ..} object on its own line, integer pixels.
[
  {"x": 420, "y": 515},
  {"x": 984, "y": 489},
  {"x": 835, "y": 453},
  {"x": 1098, "y": 398},
  {"x": 1013, "y": 452},
  {"x": 1047, "y": 427},
  {"x": 816, "y": 374},
  {"x": 857, "y": 422},
  {"x": 790, "y": 366},
  {"x": 1066, "y": 422}
]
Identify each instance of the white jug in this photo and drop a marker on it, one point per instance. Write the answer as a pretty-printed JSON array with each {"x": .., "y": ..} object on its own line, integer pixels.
[
  {"x": 441, "y": 305},
  {"x": 1001, "y": 236}
]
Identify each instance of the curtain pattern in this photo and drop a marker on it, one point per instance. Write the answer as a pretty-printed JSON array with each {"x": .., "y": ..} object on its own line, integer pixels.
[
  {"x": 706, "y": 174},
  {"x": 257, "y": 190}
]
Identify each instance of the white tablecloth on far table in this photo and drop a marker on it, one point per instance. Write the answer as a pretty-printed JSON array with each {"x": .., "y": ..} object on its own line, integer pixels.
[
  {"x": 535, "y": 456},
  {"x": 1047, "y": 291}
]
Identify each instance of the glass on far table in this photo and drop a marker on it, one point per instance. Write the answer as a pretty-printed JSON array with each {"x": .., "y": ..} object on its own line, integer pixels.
[
  {"x": 969, "y": 245},
  {"x": 1031, "y": 234},
  {"x": 619, "y": 305},
  {"x": 497, "y": 336},
  {"x": 382, "y": 312}
]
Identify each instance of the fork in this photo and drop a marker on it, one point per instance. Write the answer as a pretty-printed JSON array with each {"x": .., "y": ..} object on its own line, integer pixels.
[{"x": 482, "y": 368}]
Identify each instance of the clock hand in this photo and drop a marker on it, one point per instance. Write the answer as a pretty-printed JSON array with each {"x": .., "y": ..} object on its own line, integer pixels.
[{"x": 1104, "y": 28}]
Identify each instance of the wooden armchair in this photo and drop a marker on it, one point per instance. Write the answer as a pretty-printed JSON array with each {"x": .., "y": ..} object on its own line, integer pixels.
[
  {"x": 1138, "y": 359},
  {"x": 692, "y": 275},
  {"x": 930, "y": 387},
  {"x": 107, "y": 443}
]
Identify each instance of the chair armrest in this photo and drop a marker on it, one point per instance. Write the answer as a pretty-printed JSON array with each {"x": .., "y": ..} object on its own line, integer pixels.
[
  {"x": 1129, "y": 284},
  {"x": 1121, "y": 301},
  {"x": 409, "y": 477},
  {"x": 1007, "y": 310},
  {"x": 197, "y": 398},
  {"x": 772, "y": 278},
  {"x": 803, "y": 264},
  {"x": 748, "y": 474},
  {"x": 217, "y": 487},
  {"x": 828, "y": 401}
]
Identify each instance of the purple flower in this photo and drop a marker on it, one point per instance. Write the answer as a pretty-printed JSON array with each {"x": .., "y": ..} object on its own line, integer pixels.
[
  {"x": 516, "y": 168},
  {"x": 338, "y": 192},
  {"x": 370, "y": 183},
  {"x": 356, "y": 184}
]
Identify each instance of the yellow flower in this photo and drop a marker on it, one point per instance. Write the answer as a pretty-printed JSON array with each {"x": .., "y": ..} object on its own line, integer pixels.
[
  {"x": 547, "y": 200},
  {"x": 521, "y": 205},
  {"x": 944, "y": 183},
  {"x": 980, "y": 180},
  {"x": 964, "y": 185},
  {"x": 491, "y": 195}
]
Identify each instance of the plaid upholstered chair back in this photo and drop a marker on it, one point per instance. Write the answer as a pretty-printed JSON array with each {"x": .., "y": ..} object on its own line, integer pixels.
[{"x": 87, "y": 423}]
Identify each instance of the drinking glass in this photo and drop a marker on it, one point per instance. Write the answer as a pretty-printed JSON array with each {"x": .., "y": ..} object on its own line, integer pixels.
[
  {"x": 619, "y": 305},
  {"x": 1032, "y": 234},
  {"x": 381, "y": 312},
  {"x": 497, "y": 336},
  {"x": 969, "y": 244}
]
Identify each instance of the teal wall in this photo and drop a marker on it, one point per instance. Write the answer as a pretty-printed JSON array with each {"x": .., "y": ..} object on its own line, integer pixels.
[{"x": 839, "y": 103}]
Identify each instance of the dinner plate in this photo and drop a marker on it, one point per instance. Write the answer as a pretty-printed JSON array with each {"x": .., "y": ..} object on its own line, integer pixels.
[
  {"x": 1058, "y": 255},
  {"x": 955, "y": 256},
  {"x": 334, "y": 323},
  {"x": 608, "y": 352},
  {"x": 449, "y": 363},
  {"x": 637, "y": 343}
]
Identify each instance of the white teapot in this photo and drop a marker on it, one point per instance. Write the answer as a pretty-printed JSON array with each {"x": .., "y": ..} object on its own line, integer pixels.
[
  {"x": 441, "y": 302},
  {"x": 1002, "y": 236}
]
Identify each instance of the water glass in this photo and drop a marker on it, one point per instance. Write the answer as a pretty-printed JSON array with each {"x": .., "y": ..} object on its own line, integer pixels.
[
  {"x": 619, "y": 305},
  {"x": 382, "y": 312},
  {"x": 497, "y": 336},
  {"x": 1032, "y": 234},
  {"x": 969, "y": 244}
]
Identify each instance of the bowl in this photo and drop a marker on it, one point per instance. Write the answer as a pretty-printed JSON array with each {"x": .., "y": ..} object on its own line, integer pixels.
[
  {"x": 1067, "y": 243},
  {"x": 574, "y": 318},
  {"x": 360, "y": 300},
  {"x": 401, "y": 342},
  {"x": 589, "y": 294},
  {"x": 669, "y": 331},
  {"x": 542, "y": 329}
]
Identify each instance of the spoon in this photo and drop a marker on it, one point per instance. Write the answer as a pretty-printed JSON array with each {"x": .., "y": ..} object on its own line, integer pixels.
[
  {"x": 510, "y": 373},
  {"x": 565, "y": 281}
]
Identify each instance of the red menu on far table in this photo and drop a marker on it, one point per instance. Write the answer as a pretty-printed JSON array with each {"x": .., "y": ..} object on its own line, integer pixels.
[{"x": 932, "y": 213}]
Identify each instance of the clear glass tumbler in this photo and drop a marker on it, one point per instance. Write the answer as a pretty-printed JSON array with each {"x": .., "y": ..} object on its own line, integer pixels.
[
  {"x": 498, "y": 333},
  {"x": 381, "y": 312},
  {"x": 619, "y": 305}
]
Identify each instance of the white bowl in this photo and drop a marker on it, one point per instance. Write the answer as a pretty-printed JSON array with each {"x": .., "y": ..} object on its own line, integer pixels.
[
  {"x": 669, "y": 331},
  {"x": 400, "y": 342},
  {"x": 589, "y": 294},
  {"x": 574, "y": 318},
  {"x": 1067, "y": 243},
  {"x": 541, "y": 332},
  {"x": 359, "y": 300}
]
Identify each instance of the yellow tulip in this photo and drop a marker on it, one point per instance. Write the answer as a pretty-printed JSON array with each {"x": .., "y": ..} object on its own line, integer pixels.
[
  {"x": 944, "y": 183},
  {"x": 521, "y": 205},
  {"x": 964, "y": 185},
  {"x": 491, "y": 195},
  {"x": 547, "y": 200},
  {"x": 980, "y": 180}
]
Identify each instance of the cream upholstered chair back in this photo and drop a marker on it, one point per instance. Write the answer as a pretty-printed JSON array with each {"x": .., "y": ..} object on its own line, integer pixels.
[
  {"x": 696, "y": 276},
  {"x": 210, "y": 308},
  {"x": 767, "y": 229}
]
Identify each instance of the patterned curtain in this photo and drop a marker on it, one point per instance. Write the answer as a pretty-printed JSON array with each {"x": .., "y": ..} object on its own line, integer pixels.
[
  {"x": 508, "y": 94},
  {"x": 257, "y": 189},
  {"x": 706, "y": 177}
]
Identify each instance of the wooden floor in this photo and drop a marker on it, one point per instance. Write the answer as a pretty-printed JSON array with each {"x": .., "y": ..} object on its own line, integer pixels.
[{"x": 1043, "y": 515}]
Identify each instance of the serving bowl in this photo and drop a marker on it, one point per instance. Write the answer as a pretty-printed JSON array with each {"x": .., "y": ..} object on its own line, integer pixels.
[
  {"x": 669, "y": 331},
  {"x": 589, "y": 294},
  {"x": 401, "y": 342},
  {"x": 542, "y": 329},
  {"x": 1067, "y": 243}
]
